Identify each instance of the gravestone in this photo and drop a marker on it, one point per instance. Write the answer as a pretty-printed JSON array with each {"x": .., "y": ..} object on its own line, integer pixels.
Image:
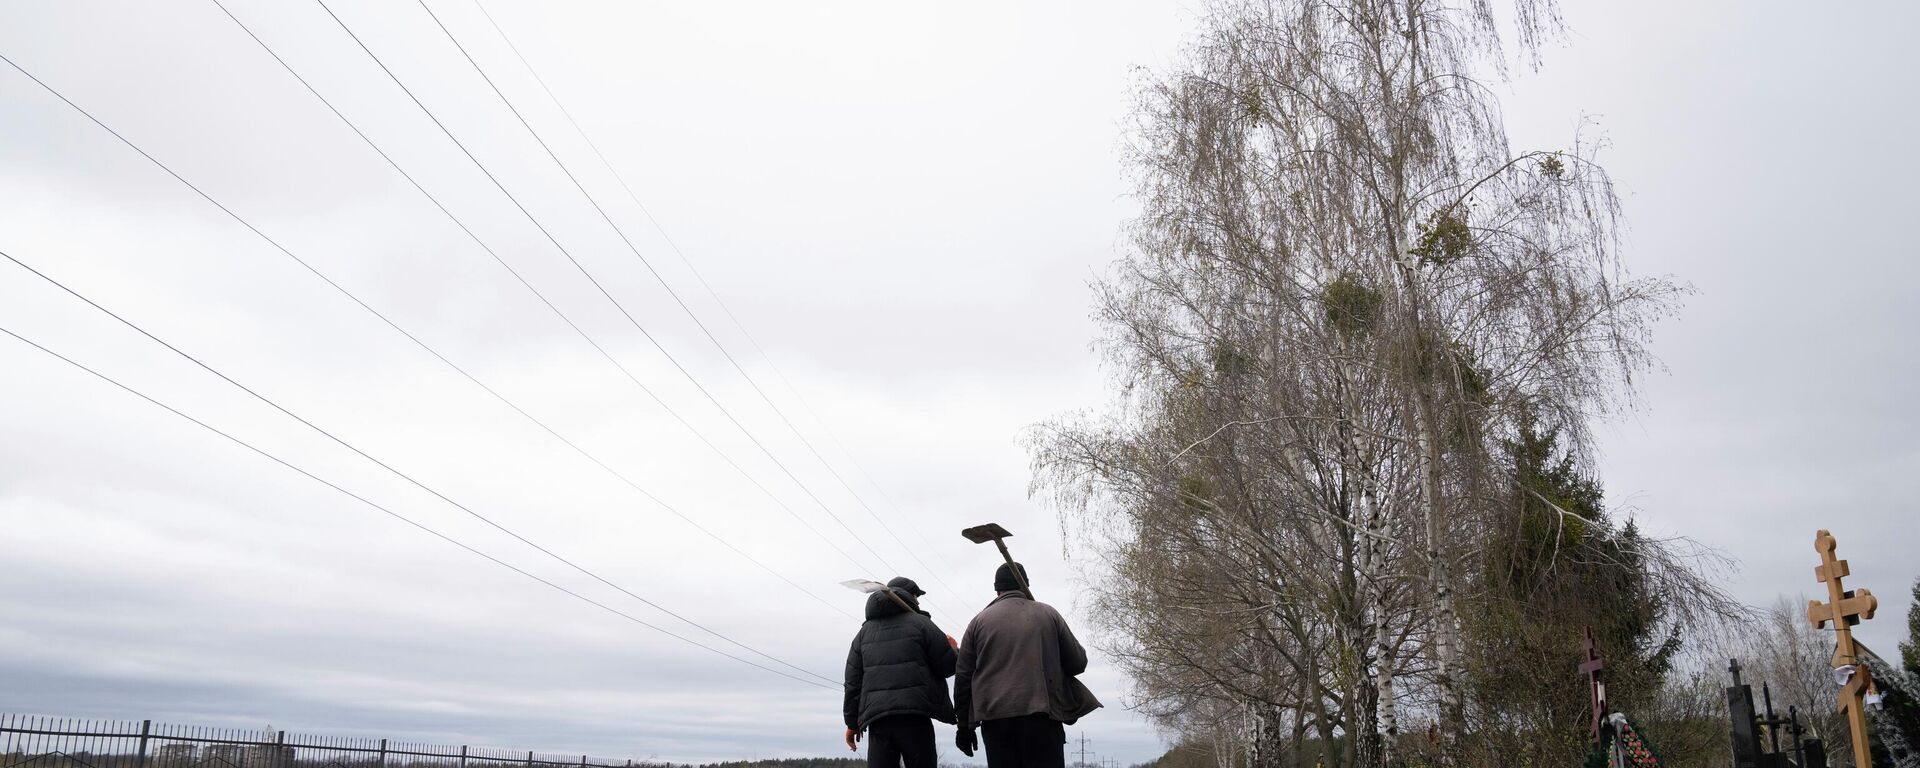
[
  {"x": 1740, "y": 714},
  {"x": 1749, "y": 750}
]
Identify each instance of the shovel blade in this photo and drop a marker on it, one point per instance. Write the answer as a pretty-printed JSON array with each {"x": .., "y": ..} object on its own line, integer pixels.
[
  {"x": 863, "y": 585},
  {"x": 981, "y": 534}
]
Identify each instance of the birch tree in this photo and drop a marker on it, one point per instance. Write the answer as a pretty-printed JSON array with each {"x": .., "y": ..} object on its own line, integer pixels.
[{"x": 1345, "y": 294}]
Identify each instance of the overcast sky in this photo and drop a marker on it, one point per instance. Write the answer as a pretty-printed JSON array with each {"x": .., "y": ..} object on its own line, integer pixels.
[{"x": 903, "y": 202}]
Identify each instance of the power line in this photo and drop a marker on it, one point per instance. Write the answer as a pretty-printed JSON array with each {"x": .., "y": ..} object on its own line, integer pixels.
[
  {"x": 556, "y": 243},
  {"x": 558, "y": 313},
  {"x": 390, "y": 468},
  {"x": 390, "y": 323},
  {"x": 376, "y": 313},
  {"x": 726, "y": 310},
  {"x": 405, "y": 519},
  {"x": 684, "y": 308},
  {"x": 605, "y": 293}
]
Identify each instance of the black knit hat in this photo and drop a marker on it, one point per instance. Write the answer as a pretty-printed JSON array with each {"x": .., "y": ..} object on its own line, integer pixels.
[
  {"x": 906, "y": 585},
  {"x": 1004, "y": 580}
]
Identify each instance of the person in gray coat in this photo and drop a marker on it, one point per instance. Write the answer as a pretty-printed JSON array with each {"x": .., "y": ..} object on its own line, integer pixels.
[{"x": 1014, "y": 679}]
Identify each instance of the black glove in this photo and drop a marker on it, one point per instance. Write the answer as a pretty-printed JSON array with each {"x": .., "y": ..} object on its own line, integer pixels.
[{"x": 965, "y": 740}]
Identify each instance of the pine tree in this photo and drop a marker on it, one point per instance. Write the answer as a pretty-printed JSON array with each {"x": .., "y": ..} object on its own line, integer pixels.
[
  {"x": 1910, "y": 650},
  {"x": 1559, "y": 565}
]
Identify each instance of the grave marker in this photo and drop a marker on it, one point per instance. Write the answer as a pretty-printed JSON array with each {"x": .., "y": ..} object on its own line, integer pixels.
[
  {"x": 1844, "y": 609},
  {"x": 1595, "y": 687}
]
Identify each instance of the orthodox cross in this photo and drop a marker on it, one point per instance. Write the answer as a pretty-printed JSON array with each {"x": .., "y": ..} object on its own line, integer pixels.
[
  {"x": 1845, "y": 608},
  {"x": 1772, "y": 721},
  {"x": 1598, "y": 690}
]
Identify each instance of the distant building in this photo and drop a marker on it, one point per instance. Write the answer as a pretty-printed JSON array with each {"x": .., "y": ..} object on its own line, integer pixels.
[
  {"x": 176, "y": 754},
  {"x": 219, "y": 754},
  {"x": 269, "y": 756}
]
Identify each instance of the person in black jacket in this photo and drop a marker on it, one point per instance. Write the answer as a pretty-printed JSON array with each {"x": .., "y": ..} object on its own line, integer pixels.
[{"x": 897, "y": 674}]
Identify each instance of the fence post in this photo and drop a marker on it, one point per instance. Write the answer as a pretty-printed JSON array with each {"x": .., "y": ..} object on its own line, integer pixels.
[
  {"x": 383, "y": 753},
  {"x": 463, "y": 756},
  {"x": 279, "y": 759},
  {"x": 529, "y": 758},
  {"x": 146, "y": 728},
  {"x": 583, "y": 761}
]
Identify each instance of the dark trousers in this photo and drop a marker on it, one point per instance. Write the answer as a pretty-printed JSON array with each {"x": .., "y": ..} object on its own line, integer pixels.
[
  {"x": 901, "y": 738},
  {"x": 1034, "y": 741}
]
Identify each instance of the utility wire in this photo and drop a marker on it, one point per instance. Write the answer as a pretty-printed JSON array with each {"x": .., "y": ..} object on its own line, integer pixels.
[
  {"x": 390, "y": 468},
  {"x": 608, "y": 295},
  {"x": 405, "y": 519},
  {"x": 402, "y": 331},
  {"x": 577, "y": 265},
  {"x": 728, "y": 311},
  {"x": 557, "y": 313},
  {"x": 290, "y": 254},
  {"x": 661, "y": 279}
]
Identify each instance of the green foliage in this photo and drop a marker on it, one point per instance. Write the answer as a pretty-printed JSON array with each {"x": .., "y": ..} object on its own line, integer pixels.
[
  {"x": 1256, "y": 111},
  {"x": 1896, "y": 724},
  {"x": 1910, "y": 650},
  {"x": 1446, "y": 239},
  {"x": 1556, "y": 566},
  {"x": 1196, "y": 492},
  {"x": 1228, "y": 360},
  {"x": 1454, "y": 367},
  {"x": 1467, "y": 374},
  {"x": 1557, "y": 504},
  {"x": 1352, "y": 307},
  {"x": 1452, "y": 364},
  {"x": 1552, "y": 167}
]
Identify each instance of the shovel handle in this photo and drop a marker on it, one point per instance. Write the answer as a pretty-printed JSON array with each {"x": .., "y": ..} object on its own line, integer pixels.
[
  {"x": 896, "y": 598},
  {"x": 1019, "y": 574}
]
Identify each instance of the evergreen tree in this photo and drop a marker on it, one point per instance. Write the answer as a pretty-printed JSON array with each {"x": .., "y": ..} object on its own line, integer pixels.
[
  {"x": 1555, "y": 567},
  {"x": 1910, "y": 650}
]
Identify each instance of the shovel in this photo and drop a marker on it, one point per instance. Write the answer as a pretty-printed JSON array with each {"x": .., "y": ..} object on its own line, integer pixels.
[
  {"x": 1084, "y": 700},
  {"x": 981, "y": 534},
  {"x": 870, "y": 586}
]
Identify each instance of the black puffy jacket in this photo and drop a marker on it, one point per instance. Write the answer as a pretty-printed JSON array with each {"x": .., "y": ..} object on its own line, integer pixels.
[{"x": 898, "y": 665}]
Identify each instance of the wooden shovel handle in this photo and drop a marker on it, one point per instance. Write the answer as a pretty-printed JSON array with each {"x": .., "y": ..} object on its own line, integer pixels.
[
  {"x": 898, "y": 599},
  {"x": 1019, "y": 574}
]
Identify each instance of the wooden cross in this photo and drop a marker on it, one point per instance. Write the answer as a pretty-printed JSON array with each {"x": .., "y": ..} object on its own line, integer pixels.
[
  {"x": 1591, "y": 668},
  {"x": 1845, "y": 608}
]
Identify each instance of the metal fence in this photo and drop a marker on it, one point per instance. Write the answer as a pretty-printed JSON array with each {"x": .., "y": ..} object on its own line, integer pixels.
[{"x": 45, "y": 742}]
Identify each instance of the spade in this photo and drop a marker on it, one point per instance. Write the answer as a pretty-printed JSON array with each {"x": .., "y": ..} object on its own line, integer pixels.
[
  {"x": 981, "y": 534},
  {"x": 870, "y": 586},
  {"x": 1084, "y": 700}
]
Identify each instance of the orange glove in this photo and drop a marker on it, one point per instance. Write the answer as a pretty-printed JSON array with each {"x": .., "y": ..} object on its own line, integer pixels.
[
  {"x": 853, "y": 740},
  {"x": 953, "y": 642}
]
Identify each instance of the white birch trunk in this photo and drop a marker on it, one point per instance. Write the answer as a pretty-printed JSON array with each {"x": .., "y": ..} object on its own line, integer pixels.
[
  {"x": 1384, "y": 654},
  {"x": 1446, "y": 617}
]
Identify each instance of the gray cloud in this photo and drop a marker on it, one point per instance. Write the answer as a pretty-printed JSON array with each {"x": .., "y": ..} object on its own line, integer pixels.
[{"x": 904, "y": 204}]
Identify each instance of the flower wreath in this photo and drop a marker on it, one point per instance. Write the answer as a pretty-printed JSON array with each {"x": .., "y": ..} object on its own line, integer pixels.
[{"x": 1619, "y": 729}]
